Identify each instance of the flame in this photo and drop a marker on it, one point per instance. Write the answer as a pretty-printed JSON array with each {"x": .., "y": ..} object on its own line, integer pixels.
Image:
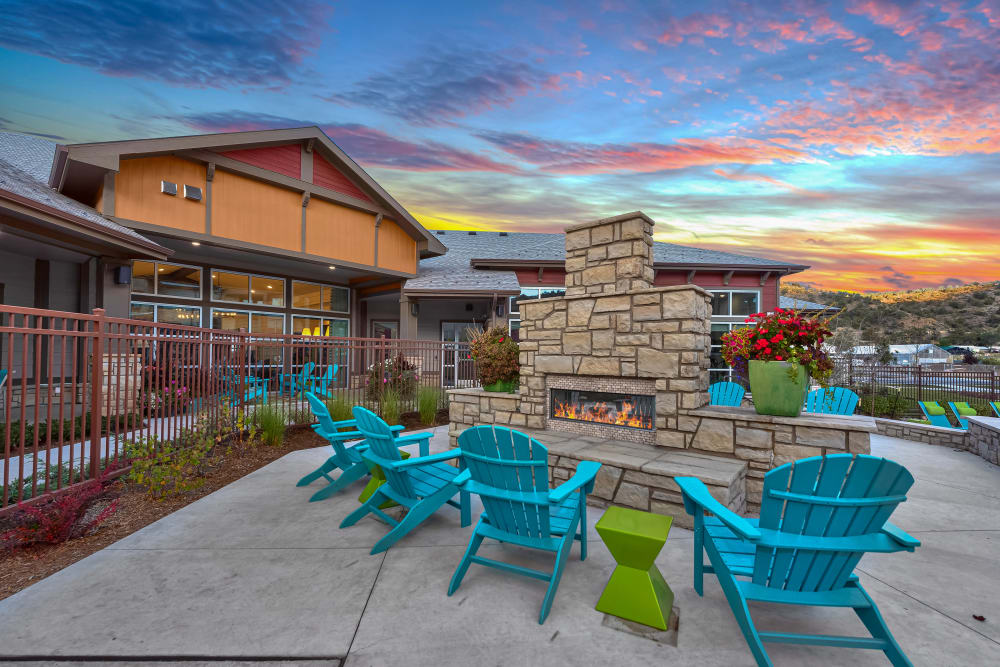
[{"x": 600, "y": 412}]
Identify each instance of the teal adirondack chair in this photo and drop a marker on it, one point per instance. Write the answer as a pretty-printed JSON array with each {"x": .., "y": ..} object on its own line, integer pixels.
[
  {"x": 725, "y": 393},
  {"x": 509, "y": 472},
  {"x": 253, "y": 388},
  {"x": 961, "y": 410},
  {"x": 818, "y": 517},
  {"x": 935, "y": 414},
  {"x": 296, "y": 382},
  {"x": 323, "y": 384},
  {"x": 832, "y": 401},
  {"x": 346, "y": 459},
  {"x": 996, "y": 407},
  {"x": 421, "y": 485}
]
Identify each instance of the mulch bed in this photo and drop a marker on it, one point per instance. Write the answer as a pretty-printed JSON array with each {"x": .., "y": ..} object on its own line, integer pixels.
[{"x": 23, "y": 567}]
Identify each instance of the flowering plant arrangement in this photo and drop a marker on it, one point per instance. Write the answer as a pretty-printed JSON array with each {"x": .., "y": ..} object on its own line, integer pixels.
[
  {"x": 496, "y": 355},
  {"x": 783, "y": 335},
  {"x": 395, "y": 373}
]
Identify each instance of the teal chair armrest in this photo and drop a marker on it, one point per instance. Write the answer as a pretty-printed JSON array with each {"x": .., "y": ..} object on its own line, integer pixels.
[
  {"x": 397, "y": 428},
  {"x": 584, "y": 476},
  {"x": 417, "y": 461},
  {"x": 696, "y": 493},
  {"x": 900, "y": 536}
]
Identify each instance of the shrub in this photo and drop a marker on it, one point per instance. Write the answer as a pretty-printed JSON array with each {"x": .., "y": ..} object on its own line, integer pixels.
[
  {"x": 271, "y": 422},
  {"x": 395, "y": 373},
  {"x": 59, "y": 519},
  {"x": 168, "y": 468},
  {"x": 428, "y": 399},
  {"x": 890, "y": 404},
  {"x": 496, "y": 355},
  {"x": 340, "y": 410},
  {"x": 390, "y": 406},
  {"x": 300, "y": 416}
]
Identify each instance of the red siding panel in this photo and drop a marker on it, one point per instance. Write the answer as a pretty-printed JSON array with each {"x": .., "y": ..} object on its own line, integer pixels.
[
  {"x": 285, "y": 160},
  {"x": 713, "y": 280},
  {"x": 328, "y": 176},
  {"x": 550, "y": 277}
]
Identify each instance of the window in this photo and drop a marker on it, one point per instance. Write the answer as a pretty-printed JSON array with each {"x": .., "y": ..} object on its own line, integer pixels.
[
  {"x": 319, "y": 326},
  {"x": 718, "y": 370},
  {"x": 165, "y": 314},
  {"x": 313, "y": 296},
  {"x": 165, "y": 279},
  {"x": 246, "y": 288},
  {"x": 514, "y": 321},
  {"x": 735, "y": 303},
  {"x": 258, "y": 323},
  {"x": 387, "y": 328}
]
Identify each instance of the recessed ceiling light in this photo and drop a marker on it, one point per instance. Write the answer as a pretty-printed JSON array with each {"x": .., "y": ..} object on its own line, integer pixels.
[
  {"x": 270, "y": 287},
  {"x": 331, "y": 268},
  {"x": 161, "y": 270},
  {"x": 195, "y": 242}
]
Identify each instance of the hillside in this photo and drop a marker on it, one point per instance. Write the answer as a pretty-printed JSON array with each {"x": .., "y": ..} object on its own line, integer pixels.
[{"x": 965, "y": 314}]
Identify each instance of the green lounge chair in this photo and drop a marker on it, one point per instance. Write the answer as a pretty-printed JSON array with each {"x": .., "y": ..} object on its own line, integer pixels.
[
  {"x": 961, "y": 410},
  {"x": 996, "y": 407},
  {"x": 818, "y": 517},
  {"x": 935, "y": 414}
]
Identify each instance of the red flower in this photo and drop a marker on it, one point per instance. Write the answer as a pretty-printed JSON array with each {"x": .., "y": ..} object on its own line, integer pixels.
[{"x": 777, "y": 357}]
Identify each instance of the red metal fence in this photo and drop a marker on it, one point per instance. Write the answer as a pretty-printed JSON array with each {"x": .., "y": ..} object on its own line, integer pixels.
[
  {"x": 893, "y": 391},
  {"x": 76, "y": 389}
]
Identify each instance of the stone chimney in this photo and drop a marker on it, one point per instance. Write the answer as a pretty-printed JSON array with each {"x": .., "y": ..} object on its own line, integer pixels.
[{"x": 610, "y": 256}]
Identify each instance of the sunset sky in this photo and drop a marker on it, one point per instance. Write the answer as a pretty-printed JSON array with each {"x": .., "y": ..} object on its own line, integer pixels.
[{"x": 861, "y": 138}]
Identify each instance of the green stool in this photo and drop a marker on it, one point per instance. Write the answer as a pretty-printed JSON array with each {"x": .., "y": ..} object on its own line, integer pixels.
[
  {"x": 636, "y": 591},
  {"x": 377, "y": 480}
]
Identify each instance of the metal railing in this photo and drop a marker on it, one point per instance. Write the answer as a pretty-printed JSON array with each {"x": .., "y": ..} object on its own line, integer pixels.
[
  {"x": 893, "y": 391},
  {"x": 78, "y": 388}
]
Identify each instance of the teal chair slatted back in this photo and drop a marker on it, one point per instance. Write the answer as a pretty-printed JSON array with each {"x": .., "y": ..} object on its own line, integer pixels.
[
  {"x": 832, "y": 401},
  {"x": 382, "y": 442},
  {"x": 934, "y": 413},
  {"x": 827, "y": 499},
  {"x": 326, "y": 424},
  {"x": 510, "y": 472},
  {"x": 308, "y": 369},
  {"x": 725, "y": 393}
]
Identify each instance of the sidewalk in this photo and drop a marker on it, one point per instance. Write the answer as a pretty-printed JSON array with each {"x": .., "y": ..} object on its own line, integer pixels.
[{"x": 255, "y": 572}]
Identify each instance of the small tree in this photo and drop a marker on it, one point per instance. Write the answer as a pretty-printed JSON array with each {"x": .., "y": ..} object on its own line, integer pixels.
[{"x": 496, "y": 355}]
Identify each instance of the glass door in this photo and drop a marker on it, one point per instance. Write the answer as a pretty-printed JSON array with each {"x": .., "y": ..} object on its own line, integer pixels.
[{"x": 457, "y": 368}]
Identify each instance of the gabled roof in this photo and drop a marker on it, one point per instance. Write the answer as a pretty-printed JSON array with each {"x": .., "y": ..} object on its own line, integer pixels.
[
  {"x": 106, "y": 155},
  {"x": 24, "y": 183},
  {"x": 505, "y": 250}
]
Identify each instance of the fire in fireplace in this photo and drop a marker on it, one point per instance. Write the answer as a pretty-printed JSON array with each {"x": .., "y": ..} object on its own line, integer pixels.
[{"x": 631, "y": 410}]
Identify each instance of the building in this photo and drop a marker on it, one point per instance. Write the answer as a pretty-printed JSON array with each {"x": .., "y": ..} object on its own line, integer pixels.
[
  {"x": 805, "y": 307},
  {"x": 279, "y": 231},
  {"x": 907, "y": 355}
]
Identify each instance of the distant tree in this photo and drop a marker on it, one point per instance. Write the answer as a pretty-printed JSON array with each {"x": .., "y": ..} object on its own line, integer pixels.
[{"x": 969, "y": 358}]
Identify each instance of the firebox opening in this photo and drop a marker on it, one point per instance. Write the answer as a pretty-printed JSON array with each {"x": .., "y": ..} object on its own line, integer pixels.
[{"x": 602, "y": 407}]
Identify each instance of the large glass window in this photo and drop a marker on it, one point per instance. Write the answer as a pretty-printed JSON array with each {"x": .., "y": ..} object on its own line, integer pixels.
[
  {"x": 718, "y": 370},
  {"x": 267, "y": 325},
  {"x": 165, "y": 313},
  {"x": 387, "y": 328},
  {"x": 164, "y": 279},
  {"x": 247, "y": 288},
  {"x": 319, "y": 326},
  {"x": 735, "y": 303},
  {"x": 312, "y": 296},
  {"x": 267, "y": 291},
  {"x": 514, "y": 320},
  {"x": 230, "y": 320}
]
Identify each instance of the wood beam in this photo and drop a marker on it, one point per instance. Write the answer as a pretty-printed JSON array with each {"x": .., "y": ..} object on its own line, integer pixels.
[
  {"x": 726, "y": 277},
  {"x": 691, "y": 276},
  {"x": 541, "y": 272},
  {"x": 763, "y": 277}
]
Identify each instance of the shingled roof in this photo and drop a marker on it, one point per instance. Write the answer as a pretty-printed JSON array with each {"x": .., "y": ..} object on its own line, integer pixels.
[
  {"x": 454, "y": 271},
  {"x": 25, "y": 162}
]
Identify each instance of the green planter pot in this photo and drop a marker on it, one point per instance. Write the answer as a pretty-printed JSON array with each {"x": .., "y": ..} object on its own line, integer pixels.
[
  {"x": 506, "y": 386},
  {"x": 774, "y": 392}
]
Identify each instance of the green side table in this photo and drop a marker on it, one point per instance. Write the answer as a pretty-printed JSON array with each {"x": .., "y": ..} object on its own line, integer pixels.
[
  {"x": 377, "y": 480},
  {"x": 636, "y": 591}
]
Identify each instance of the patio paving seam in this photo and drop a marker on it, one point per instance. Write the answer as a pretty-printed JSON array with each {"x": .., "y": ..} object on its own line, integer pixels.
[
  {"x": 931, "y": 607},
  {"x": 361, "y": 616}
]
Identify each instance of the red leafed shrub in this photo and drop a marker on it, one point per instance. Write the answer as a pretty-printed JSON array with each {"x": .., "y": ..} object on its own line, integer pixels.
[
  {"x": 496, "y": 355},
  {"x": 59, "y": 519}
]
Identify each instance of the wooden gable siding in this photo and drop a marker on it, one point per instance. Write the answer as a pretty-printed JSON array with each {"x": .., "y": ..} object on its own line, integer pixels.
[
  {"x": 138, "y": 196},
  {"x": 396, "y": 250},
  {"x": 254, "y": 212},
  {"x": 339, "y": 232},
  {"x": 328, "y": 176},
  {"x": 285, "y": 160}
]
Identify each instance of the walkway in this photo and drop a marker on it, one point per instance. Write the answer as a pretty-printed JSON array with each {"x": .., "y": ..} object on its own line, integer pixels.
[{"x": 255, "y": 572}]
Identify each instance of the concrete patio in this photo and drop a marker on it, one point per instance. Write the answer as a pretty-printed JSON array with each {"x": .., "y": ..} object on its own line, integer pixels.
[{"x": 253, "y": 572}]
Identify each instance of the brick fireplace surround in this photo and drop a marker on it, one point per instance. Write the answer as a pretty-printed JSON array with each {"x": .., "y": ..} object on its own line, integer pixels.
[{"x": 612, "y": 331}]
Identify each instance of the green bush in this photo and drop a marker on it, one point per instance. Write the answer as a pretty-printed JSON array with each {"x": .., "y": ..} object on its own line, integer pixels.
[
  {"x": 890, "y": 404},
  {"x": 396, "y": 374},
  {"x": 390, "y": 406},
  {"x": 496, "y": 355},
  {"x": 169, "y": 468},
  {"x": 301, "y": 416},
  {"x": 271, "y": 422},
  {"x": 340, "y": 410},
  {"x": 428, "y": 399}
]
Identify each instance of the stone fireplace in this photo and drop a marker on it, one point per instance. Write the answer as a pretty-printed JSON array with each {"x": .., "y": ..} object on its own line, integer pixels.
[{"x": 614, "y": 334}]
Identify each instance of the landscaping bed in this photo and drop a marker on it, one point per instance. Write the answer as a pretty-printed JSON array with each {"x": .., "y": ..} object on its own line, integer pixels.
[{"x": 21, "y": 567}]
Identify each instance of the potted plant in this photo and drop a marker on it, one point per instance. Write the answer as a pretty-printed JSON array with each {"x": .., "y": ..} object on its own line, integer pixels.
[
  {"x": 781, "y": 351},
  {"x": 496, "y": 357}
]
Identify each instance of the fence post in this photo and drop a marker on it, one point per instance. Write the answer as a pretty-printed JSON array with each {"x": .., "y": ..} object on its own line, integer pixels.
[
  {"x": 920, "y": 383},
  {"x": 993, "y": 384},
  {"x": 97, "y": 391}
]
